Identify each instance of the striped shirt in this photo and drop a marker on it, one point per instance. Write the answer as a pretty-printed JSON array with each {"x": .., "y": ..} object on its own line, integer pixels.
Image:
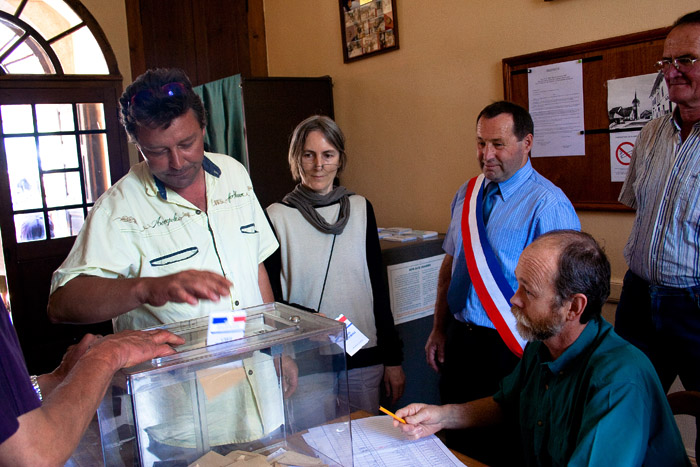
[
  {"x": 663, "y": 185},
  {"x": 528, "y": 206}
]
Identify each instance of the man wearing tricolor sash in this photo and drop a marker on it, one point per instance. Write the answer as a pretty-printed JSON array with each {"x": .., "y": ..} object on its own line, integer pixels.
[{"x": 474, "y": 342}]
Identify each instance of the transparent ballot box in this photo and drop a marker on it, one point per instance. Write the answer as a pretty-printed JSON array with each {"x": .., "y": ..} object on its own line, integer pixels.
[{"x": 238, "y": 395}]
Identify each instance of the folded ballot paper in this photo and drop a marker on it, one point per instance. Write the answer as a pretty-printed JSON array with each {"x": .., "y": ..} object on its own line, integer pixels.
[
  {"x": 407, "y": 237},
  {"x": 281, "y": 458},
  {"x": 403, "y": 234},
  {"x": 424, "y": 233},
  {"x": 355, "y": 340},
  {"x": 225, "y": 326}
]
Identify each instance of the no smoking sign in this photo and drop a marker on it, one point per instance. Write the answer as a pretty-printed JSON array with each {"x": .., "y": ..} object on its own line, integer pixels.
[{"x": 623, "y": 153}]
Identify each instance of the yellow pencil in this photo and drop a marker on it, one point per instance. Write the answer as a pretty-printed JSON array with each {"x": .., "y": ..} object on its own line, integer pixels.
[{"x": 392, "y": 415}]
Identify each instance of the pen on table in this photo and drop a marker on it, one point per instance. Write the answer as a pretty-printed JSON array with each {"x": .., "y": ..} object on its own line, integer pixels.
[{"x": 392, "y": 415}]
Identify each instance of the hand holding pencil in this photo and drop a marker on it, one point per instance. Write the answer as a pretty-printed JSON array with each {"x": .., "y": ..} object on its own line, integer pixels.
[
  {"x": 392, "y": 415},
  {"x": 418, "y": 420}
]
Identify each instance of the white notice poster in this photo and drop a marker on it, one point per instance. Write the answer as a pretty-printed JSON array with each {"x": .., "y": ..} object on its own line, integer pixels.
[
  {"x": 632, "y": 102},
  {"x": 555, "y": 94},
  {"x": 413, "y": 288},
  {"x": 621, "y": 146}
]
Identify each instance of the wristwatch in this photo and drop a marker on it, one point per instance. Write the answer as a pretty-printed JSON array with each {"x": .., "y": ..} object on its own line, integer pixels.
[{"x": 35, "y": 385}]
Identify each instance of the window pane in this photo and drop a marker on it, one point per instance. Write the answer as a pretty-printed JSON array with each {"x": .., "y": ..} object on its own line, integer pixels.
[
  {"x": 54, "y": 117},
  {"x": 62, "y": 189},
  {"x": 58, "y": 152},
  {"x": 30, "y": 227},
  {"x": 23, "y": 171},
  {"x": 17, "y": 119},
  {"x": 28, "y": 58},
  {"x": 9, "y": 6},
  {"x": 66, "y": 223},
  {"x": 96, "y": 165},
  {"x": 49, "y": 20},
  {"x": 79, "y": 53},
  {"x": 9, "y": 33},
  {"x": 91, "y": 116}
]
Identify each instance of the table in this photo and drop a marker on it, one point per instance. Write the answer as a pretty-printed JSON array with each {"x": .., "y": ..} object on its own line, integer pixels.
[{"x": 89, "y": 451}]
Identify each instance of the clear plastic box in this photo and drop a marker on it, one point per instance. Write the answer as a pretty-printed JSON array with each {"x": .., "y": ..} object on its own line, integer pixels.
[{"x": 231, "y": 396}]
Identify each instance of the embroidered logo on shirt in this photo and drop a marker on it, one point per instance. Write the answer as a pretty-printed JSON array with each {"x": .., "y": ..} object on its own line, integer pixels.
[
  {"x": 160, "y": 221},
  {"x": 127, "y": 219},
  {"x": 233, "y": 195},
  {"x": 181, "y": 255}
]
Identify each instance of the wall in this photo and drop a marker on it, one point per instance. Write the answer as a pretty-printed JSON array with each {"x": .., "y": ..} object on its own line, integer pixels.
[
  {"x": 111, "y": 17},
  {"x": 409, "y": 115}
]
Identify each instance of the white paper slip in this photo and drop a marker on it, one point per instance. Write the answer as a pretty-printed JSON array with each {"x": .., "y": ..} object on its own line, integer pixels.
[
  {"x": 355, "y": 339},
  {"x": 225, "y": 326},
  {"x": 424, "y": 233},
  {"x": 401, "y": 238},
  {"x": 397, "y": 230}
]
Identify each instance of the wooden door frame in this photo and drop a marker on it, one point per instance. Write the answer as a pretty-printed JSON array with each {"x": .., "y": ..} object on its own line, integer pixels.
[
  {"x": 30, "y": 320},
  {"x": 257, "y": 42}
]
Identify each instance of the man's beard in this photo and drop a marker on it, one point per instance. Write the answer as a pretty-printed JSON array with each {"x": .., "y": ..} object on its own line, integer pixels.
[{"x": 541, "y": 330}]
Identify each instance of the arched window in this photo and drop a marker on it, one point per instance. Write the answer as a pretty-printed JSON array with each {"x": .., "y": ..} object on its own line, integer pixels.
[
  {"x": 51, "y": 37},
  {"x": 61, "y": 147}
]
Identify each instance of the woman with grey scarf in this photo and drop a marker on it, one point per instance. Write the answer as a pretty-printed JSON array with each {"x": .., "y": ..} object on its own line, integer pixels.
[{"x": 330, "y": 260}]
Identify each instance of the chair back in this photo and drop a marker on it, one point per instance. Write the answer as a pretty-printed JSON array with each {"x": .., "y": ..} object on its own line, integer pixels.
[{"x": 685, "y": 403}]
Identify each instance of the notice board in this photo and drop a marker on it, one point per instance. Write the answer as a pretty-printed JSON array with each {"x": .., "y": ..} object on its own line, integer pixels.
[{"x": 586, "y": 179}]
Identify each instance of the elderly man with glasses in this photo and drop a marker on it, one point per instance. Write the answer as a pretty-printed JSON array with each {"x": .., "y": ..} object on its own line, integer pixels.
[{"x": 659, "y": 309}]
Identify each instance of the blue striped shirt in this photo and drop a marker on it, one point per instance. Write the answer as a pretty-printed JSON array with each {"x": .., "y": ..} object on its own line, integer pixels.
[
  {"x": 528, "y": 206},
  {"x": 663, "y": 185}
]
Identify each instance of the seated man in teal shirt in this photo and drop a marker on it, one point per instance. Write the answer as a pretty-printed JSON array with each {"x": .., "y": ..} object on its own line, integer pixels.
[{"x": 582, "y": 394}]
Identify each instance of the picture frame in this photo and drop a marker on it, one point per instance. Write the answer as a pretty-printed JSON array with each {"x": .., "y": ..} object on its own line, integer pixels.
[{"x": 368, "y": 28}]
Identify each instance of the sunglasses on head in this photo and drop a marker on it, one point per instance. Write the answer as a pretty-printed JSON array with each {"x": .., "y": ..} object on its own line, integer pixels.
[{"x": 167, "y": 90}]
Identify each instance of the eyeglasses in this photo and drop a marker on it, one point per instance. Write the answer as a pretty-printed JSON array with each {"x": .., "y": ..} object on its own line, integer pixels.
[
  {"x": 167, "y": 90},
  {"x": 681, "y": 63}
]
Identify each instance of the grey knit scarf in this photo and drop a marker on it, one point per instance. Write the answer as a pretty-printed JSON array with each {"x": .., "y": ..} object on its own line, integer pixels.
[{"x": 305, "y": 200}]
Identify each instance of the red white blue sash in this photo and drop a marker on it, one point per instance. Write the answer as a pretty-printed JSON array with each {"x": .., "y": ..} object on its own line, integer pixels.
[{"x": 485, "y": 272}]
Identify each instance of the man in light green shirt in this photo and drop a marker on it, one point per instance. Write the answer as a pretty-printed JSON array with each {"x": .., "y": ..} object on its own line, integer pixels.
[
  {"x": 181, "y": 235},
  {"x": 181, "y": 232}
]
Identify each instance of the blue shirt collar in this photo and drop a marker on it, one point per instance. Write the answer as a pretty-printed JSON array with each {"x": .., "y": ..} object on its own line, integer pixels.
[
  {"x": 208, "y": 166},
  {"x": 512, "y": 185}
]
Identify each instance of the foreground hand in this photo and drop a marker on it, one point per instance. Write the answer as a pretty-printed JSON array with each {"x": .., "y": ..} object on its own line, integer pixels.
[
  {"x": 48, "y": 382},
  {"x": 128, "y": 348},
  {"x": 394, "y": 382},
  {"x": 290, "y": 375},
  {"x": 184, "y": 287},
  {"x": 72, "y": 356},
  {"x": 421, "y": 420},
  {"x": 435, "y": 349}
]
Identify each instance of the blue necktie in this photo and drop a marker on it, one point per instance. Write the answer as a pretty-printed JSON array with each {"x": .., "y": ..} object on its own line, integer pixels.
[
  {"x": 457, "y": 292},
  {"x": 490, "y": 193}
]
